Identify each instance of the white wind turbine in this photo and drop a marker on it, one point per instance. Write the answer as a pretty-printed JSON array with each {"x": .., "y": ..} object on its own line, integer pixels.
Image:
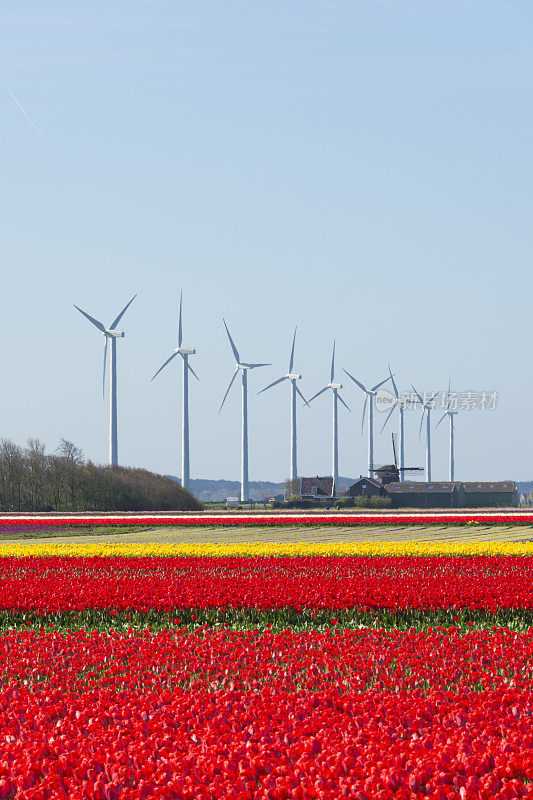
[
  {"x": 335, "y": 432},
  {"x": 243, "y": 367},
  {"x": 184, "y": 352},
  {"x": 400, "y": 402},
  {"x": 370, "y": 395},
  {"x": 292, "y": 377},
  {"x": 426, "y": 409},
  {"x": 450, "y": 414},
  {"x": 112, "y": 334}
]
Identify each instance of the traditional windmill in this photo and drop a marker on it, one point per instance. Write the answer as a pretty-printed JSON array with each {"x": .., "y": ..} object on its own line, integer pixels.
[{"x": 390, "y": 473}]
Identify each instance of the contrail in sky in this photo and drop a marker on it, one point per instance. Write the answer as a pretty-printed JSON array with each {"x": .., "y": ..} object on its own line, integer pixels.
[{"x": 39, "y": 131}]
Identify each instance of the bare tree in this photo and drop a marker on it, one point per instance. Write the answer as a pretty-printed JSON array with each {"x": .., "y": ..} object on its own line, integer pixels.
[
  {"x": 12, "y": 466},
  {"x": 292, "y": 488},
  {"x": 36, "y": 464},
  {"x": 71, "y": 458}
]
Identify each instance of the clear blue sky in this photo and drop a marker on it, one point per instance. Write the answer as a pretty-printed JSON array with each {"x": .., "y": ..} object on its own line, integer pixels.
[{"x": 361, "y": 169}]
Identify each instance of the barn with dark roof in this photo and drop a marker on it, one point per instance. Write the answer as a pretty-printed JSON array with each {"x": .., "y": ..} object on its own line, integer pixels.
[
  {"x": 490, "y": 494},
  {"x": 366, "y": 487},
  {"x": 420, "y": 494},
  {"x": 457, "y": 494}
]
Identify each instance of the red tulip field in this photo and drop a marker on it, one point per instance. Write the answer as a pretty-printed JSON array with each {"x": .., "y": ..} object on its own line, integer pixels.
[
  {"x": 144, "y": 584},
  {"x": 266, "y": 678}
]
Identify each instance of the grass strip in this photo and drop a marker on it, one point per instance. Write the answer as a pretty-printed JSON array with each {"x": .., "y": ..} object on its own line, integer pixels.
[
  {"x": 518, "y": 619},
  {"x": 14, "y": 532}
]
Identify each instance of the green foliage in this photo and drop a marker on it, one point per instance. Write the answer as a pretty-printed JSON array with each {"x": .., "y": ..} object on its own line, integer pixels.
[
  {"x": 31, "y": 480},
  {"x": 302, "y": 504},
  {"x": 372, "y": 502},
  {"x": 345, "y": 502},
  {"x": 278, "y": 619},
  {"x": 380, "y": 502}
]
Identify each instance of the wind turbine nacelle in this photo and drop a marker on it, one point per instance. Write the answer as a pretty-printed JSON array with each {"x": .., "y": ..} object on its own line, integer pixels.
[
  {"x": 292, "y": 376},
  {"x": 335, "y": 385},
  {"x": 185, "y": 351},
  {"x": 115, "y": 334}
]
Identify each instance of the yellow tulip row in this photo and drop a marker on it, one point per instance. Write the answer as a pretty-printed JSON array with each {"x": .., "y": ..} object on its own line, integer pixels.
[{"x": 250, "y": 549}]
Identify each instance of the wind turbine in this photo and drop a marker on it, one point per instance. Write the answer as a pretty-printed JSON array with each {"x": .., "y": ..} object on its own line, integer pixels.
[
  {"x": 450, "y": 414},
  {"x": 370, "y": 394},
  {"x": 426, "y": 409},
  {"x": 292, "y": 377},
  {"x": 243, "y": 366},
  {"x": 335, "y": 433},
  {"x": 112, "y": 334},
  {"x": 184, "y": 352},
  {"x": 400, "y": 402}
]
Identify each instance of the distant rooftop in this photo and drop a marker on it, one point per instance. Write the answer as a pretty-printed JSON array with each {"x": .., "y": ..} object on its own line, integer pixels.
[
  {"x": 317, "y": 487},
  {"x": 488, "y": 486},
  {"x": 419, "y": 487}
]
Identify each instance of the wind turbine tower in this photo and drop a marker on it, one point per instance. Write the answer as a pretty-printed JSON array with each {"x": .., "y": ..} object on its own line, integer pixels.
[
  {"x": 184, "y": 352},
  {"x": 243, "y": 367},
  {"x": 427, "y": 405},
  {"x": 335, "y": 420},
  {"x": 400, "y": 402},
  {"x": 450, "y": 414},
  {"x": 111, "y": 334},
  {"x": 370, "y": 395},
  {"x": 293, "y": 378}
]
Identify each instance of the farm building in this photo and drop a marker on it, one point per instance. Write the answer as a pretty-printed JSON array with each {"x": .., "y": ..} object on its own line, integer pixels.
[
  {"x": 419, "y": 494},
  {"x": 366, "y": 487},
  {"x": 490, "y": 494},
  {"x": 459, "y": 494},
  {"x": 317, "y": 488}
]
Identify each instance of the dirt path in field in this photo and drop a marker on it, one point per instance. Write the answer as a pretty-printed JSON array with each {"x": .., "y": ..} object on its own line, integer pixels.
[{"x": 363, "y": 533}]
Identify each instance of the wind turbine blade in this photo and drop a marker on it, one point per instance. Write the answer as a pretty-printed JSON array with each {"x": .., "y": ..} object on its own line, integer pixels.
[
  {"x": 164, "y": 365},
  {"x": 117, "y": 319},
  {"x": 232, "y": 343},
  {"x": 421, "y": 423},
  {"x": 364, "y": 412},
  {"x": 273, "y": 384},
  {"x": 253, "y": 366},
  {"x": 394, "y": 452},
  {"x": 440, "y": 420},
  {"x": 332, "y": 374},
  {"x": 388, "y": 417},
  {"x": 433, "y": 396},
  {"x": 419, "y": 397},
  {"x": 103, "y": 374},
  {"x": 91, "y": 319},
  {"x": 193, "y": 372},
  {"x": 179, "y": 323},
  {"x": 317, "y": 394},
  {"x": 361, "y": 386},
  {"x": 301, "y": 395},
  {"x": 393, "y": 382},
  {"x": 227, "y": 390},
  {"x": 291, "y": 362},
  {"x": 342, "y": 401},
  {"x": 379, "y": 384},
  {"x": 448, "y": 398}
]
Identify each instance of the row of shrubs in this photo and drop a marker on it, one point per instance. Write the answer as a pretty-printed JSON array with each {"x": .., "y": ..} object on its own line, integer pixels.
[{"x": 337, "y": 503}]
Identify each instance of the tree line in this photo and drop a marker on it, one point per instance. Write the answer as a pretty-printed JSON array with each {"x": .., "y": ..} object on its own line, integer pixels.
[{"x": 33, "y": 480}]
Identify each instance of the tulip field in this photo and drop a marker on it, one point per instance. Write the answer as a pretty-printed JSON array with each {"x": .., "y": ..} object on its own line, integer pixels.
[{"x": 266, "y": 671}]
